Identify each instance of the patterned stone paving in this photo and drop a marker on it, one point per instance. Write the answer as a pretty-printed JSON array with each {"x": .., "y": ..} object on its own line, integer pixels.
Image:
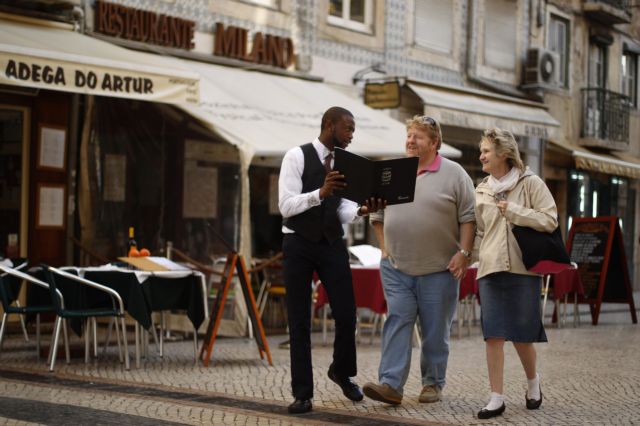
[{"x": 589, "y": 376}]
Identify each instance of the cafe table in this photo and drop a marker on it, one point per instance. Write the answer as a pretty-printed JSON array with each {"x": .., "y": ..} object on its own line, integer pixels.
[
  {"x": 367, "y": 290},
  {"x": 144, "y": 292}
]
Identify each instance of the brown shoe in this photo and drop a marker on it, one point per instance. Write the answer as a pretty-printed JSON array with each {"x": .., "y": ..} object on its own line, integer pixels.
[
  {"x": 430, "y": 393},
  {"x": 383, "y": 393}
]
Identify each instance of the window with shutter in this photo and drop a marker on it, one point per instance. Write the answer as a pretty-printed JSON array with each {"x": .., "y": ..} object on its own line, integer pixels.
[
  {"x": 629, "y": 78},
  {"x": 433, "y": 24},
  {"x": 500, "y": 33}
]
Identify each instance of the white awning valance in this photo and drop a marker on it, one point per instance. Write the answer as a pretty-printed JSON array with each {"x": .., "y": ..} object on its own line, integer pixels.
[
  {"x": 618, "y": 164},
  {"x": 477, "y": 110},
  {"x": 269, "y": 114},
  {"x": 39, "y": 54}
]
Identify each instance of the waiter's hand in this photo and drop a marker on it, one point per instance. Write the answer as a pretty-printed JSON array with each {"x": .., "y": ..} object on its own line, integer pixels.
[
  {"x": 372, "y": 205},
  {"x": 458, "y": 265},
  {"x": 334, "y": 180}
]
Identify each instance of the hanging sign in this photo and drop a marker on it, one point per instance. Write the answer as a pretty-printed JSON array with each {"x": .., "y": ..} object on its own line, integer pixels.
[{"x": 382, "y": 95}]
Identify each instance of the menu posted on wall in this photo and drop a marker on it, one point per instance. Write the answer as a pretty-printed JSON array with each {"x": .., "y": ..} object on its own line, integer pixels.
[{"x": 596, "y": 246}]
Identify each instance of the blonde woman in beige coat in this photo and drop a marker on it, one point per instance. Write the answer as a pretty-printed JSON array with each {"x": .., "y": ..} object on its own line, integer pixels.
[{"x": 509, "y": 294}]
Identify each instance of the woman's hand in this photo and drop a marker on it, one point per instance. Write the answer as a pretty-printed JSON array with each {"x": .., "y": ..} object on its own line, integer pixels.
[{"x": 502, "y": 206}]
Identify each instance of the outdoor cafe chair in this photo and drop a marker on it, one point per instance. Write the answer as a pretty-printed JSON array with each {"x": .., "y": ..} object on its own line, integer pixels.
[
  {"x": 19, "y": 264},
  {"x": 83, "y": 313},
  {"x": 10, "y": 281},
  {"x": 549, "y": 269}
]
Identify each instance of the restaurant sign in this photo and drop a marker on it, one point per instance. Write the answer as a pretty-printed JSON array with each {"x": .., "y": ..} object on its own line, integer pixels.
[
  {"x": 382, "y": 95},
  {"x": 232, "y": 42},
  {"x": 143, "y": 26},
  {"x": 54, "y": 74},
  {"x": 265, "y": 49}
]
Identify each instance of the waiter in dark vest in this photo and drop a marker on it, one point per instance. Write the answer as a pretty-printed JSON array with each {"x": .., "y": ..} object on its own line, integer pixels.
[{"x": 312, "y": 227}]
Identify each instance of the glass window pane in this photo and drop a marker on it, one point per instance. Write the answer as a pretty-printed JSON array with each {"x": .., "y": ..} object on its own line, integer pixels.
[
  {"x": 357, "y": 11},
  {"x": 629, "y": 77},
  {"x": 559, "y": 43},
  {"x": 335, "y": 8}
]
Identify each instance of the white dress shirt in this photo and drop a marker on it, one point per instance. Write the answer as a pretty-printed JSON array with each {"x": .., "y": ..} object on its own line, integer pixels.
[{"x": 291, "y": 200}]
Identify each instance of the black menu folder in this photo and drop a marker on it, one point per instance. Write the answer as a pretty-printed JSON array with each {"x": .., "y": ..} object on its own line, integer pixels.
[{"x": 393, "y": 180}]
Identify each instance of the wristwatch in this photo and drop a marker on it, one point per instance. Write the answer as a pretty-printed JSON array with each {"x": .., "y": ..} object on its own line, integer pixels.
[{"x": 466, "y": 253}]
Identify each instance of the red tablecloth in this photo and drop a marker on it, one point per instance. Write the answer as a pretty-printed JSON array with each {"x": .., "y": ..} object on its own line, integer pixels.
[
  {"x": 564, "y": 278},
  {"x": 469, "y": 284},
  {"x": 567, "y": 281},
  {"x": 367, "y": 289}
]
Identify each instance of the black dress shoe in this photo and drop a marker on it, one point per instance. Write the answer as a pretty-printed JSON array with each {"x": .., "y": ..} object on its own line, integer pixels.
[
  {"x": 349, "y": 388},
  {"x": 300, "y": 406},
  {"x": 533, "y": 404},
  {"x": 487, "y": 414}
]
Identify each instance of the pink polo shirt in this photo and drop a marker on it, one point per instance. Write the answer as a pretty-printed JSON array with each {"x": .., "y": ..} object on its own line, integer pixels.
[{"x": 433, "y": 167}]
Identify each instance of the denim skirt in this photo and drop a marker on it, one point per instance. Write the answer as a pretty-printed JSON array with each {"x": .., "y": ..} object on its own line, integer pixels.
[{"x": 510, "y": 306}]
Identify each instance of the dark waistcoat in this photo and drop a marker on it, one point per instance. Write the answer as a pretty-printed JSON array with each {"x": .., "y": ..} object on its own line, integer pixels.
[{"x": 319, "y": 221}]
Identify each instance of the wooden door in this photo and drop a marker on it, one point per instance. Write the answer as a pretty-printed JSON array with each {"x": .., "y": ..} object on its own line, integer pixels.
[{"x": 48, "y": 192}]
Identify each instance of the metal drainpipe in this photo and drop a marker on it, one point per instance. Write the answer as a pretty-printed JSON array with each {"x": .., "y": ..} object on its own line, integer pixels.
[{"x": 74, "y": 122}]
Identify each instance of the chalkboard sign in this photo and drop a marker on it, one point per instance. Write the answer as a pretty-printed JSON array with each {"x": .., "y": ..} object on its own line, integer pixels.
[{"x": 596, "y": 245}]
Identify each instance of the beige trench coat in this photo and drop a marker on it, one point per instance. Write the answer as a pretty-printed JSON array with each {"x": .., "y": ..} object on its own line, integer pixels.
[{"x": 530, "y": 204}]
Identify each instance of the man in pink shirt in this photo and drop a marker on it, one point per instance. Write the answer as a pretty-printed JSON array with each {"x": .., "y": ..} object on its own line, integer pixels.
[{"x": 426, "y": 247}]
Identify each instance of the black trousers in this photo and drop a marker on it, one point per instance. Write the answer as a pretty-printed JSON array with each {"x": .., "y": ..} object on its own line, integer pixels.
[{"x": 331, "y": 262}]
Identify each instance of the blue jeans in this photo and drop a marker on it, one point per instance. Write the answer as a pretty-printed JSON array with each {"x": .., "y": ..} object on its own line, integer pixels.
[{"x": 432, "y": 297}]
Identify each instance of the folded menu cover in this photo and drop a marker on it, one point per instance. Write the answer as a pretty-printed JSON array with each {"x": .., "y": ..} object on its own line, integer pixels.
[{"x": 393, "y": 180}]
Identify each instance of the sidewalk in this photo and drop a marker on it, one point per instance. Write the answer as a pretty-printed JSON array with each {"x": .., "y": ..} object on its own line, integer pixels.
[{"x": 590, "y": 375}]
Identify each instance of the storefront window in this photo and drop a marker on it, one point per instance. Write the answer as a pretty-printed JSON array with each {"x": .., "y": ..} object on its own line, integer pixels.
[
  {"x": 152, "y": 169},
  {"x": 266, "y": 222},
  {"x": 594, "y": 194}
]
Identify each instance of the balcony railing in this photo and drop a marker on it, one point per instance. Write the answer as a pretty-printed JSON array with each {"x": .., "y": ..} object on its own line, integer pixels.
[
  {"x": 608, "y": 11},
  {"x": 618, "y": 4},
  {"x": 605, "y": 119}
]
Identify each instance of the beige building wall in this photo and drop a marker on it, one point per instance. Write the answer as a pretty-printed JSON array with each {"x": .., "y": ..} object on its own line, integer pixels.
[{"x": 566, "y": 104}]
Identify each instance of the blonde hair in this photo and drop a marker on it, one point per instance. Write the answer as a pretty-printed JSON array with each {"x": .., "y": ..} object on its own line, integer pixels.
[
  {"x": 427, "y": 124},
  {"x": 505, "y": 145}
]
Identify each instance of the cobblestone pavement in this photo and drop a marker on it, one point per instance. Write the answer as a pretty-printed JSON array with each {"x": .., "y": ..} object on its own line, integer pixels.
[{"x": 590, "y": 376}]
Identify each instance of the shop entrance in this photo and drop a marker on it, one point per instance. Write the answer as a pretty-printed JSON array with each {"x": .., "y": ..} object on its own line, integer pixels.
[{"x": 14, "y": 194}]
